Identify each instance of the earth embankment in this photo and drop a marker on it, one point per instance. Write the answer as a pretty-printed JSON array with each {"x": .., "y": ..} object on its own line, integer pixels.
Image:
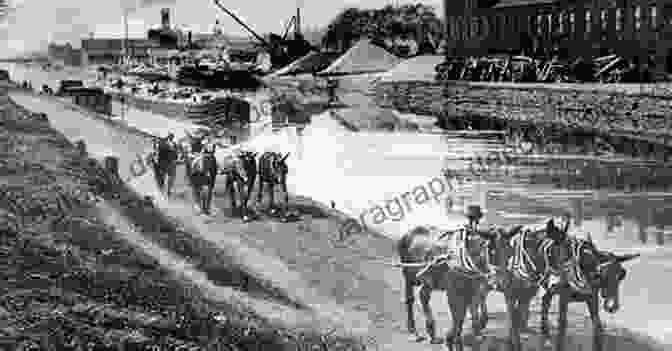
[{"x": 86, "y": 260}]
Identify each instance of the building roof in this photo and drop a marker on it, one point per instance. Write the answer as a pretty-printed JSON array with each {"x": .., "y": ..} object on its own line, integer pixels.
[{"x": 519, "y": 3}]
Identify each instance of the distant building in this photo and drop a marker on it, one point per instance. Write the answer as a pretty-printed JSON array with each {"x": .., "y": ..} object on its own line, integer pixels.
[
  {"x": 96, "y": 51},
  {"x": 65, "y": 53},
  {"x": 636, "y": 29}
]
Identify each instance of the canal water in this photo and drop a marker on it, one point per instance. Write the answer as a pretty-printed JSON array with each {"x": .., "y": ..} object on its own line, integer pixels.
[{"x": 624, "y": 204}]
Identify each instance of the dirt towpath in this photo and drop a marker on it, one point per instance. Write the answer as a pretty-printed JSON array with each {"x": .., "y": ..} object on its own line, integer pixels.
[{"x": 343, "y": 283}]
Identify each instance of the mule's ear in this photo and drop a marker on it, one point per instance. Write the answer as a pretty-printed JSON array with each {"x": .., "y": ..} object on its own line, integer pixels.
[
  {"x": 550, "y": 225},
  {"x": 627, "y": 257},
  {"x": 515, "y": 230},
  {"x": 566, "y": 228}
]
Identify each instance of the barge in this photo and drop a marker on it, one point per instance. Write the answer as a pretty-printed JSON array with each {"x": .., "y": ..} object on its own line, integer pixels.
[{"x": 206, "y": 109}]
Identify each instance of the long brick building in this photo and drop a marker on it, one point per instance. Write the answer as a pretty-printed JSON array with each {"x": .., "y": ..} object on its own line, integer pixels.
[{"x": 637, "y": 29}]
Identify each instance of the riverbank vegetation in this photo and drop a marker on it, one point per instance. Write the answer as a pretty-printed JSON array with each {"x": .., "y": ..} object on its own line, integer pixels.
[{"x": 393, "y": 27}]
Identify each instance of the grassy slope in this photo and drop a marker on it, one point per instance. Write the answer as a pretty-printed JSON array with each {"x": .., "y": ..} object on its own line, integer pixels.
[{"x": 69, "y": 274}]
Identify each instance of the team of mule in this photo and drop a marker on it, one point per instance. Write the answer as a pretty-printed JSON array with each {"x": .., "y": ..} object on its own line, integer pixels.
[
  {"x": 240, "y": 170},
  {"x": 469, "y": 263}
]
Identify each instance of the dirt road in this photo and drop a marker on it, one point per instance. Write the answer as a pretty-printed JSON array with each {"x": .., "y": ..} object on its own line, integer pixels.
[{"x": 343, "y": 283}]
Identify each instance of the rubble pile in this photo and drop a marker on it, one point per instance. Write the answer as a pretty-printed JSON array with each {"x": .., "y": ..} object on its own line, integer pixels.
[{"x": 70, "y": 282}]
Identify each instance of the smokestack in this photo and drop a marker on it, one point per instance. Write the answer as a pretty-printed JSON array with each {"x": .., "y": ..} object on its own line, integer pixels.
[{"x": 165, "y": 18}]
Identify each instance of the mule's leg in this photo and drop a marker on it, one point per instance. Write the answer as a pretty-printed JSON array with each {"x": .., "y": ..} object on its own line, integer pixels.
[
  {"x": 231, "y": 190},
  {"x": 475, "y": 311},
  {"x": 248, "y": 194},
  {"x": 210, "y": 189},
  {"x": 514, "y": 320},
  {"x": 546, "y": 300},
  {"x": 171, "y": 179},
  {"x": 524, "y": 307},
  {"x": 410, "y": 301},
  {"x": 195, "y": 190},
  {"x": 242, "y": 190},
  {"x": 430, "y": 323},
  {"x": 562, "y": 319},
  {"x": 158, "y": 176},
  {"x": 594, "y": 309},
  {"x": 284, "y": 190},
  {"x": 271, "y": 195},
  {"x": 458, "y": 301},
  {"x": 260, "y": 192},
  {"x": 483, "y": 320}
]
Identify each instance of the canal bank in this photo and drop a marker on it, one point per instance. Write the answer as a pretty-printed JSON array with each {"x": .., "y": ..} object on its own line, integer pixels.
[
  {"x": 347, "y": 271},
  {"x": 629, "y": 122},
  {"x": 89, "y": 263}
]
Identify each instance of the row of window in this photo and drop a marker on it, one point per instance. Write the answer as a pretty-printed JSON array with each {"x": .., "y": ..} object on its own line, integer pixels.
[{"x": 552, "y": 23}]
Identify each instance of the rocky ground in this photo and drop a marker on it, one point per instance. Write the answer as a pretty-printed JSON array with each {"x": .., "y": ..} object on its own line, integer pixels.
[{"x": 73, "y": 281}]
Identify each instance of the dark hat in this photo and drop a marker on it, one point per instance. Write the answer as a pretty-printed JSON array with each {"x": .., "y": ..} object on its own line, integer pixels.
[{"x": 474, "y": 211}]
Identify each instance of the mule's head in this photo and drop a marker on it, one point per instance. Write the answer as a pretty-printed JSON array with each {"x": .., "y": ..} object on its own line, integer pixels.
[
  {"x": 610, "y": 274},
  {"x": 248, "y": 158},
  {"x": 499, "y": 242},
  {"x": 248, "y": 161},
  {"x": 556, "y": 228}
]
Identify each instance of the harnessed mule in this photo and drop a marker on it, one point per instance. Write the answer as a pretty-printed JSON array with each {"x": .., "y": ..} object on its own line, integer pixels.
[
  {"x": 163, "y": 160},
  {"x": 589, "y": 274},
  {"x": 272, "y": 171},
  {"x": 201, "y": 174},
  {"x": 240, "y": 172},
  {"x": 455, "y": 262},
  {"x": 519, "y": 270}
]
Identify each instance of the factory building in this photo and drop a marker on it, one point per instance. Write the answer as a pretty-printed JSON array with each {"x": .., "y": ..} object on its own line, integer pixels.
[{"x": 636, "y": 29}]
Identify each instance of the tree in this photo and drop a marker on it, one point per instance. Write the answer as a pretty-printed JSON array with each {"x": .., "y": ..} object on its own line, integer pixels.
[
  {"x": 378, "y": 25},
  {"x": 4, "y": 8}
]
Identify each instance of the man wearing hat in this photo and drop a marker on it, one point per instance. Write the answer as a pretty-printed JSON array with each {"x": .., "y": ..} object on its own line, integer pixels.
[{"x": 474, "y": 215}]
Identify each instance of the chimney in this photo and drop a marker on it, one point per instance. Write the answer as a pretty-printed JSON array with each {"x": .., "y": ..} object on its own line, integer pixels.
[
  {"x": 189, "y": 40},
  {"x": 165, "y": 18}
]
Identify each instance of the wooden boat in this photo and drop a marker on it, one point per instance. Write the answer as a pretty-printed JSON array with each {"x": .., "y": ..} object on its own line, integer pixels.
[{"x": 219, "y": 78}]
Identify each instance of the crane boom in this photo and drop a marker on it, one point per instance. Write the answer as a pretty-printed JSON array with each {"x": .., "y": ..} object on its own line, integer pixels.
[
  {"x": 284, "y": 36},
  {"x": 260, "y": 38}
]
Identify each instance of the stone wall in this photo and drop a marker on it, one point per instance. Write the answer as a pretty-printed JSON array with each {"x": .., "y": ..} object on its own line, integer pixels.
[{"x": 636, "y": 116}]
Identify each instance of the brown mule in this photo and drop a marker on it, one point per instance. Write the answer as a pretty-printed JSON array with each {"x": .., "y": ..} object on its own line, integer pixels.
[
  {"x": 201, "y": 175},
  {"x": 453, "y": 262},
  {"x": 588, "y": 275}
]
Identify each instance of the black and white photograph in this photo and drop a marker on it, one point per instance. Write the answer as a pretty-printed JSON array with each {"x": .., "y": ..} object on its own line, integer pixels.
[{"x": 343, "y": 175}]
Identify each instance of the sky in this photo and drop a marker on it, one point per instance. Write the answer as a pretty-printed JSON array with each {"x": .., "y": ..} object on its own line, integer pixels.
[{"x": 37, "y": 22}]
